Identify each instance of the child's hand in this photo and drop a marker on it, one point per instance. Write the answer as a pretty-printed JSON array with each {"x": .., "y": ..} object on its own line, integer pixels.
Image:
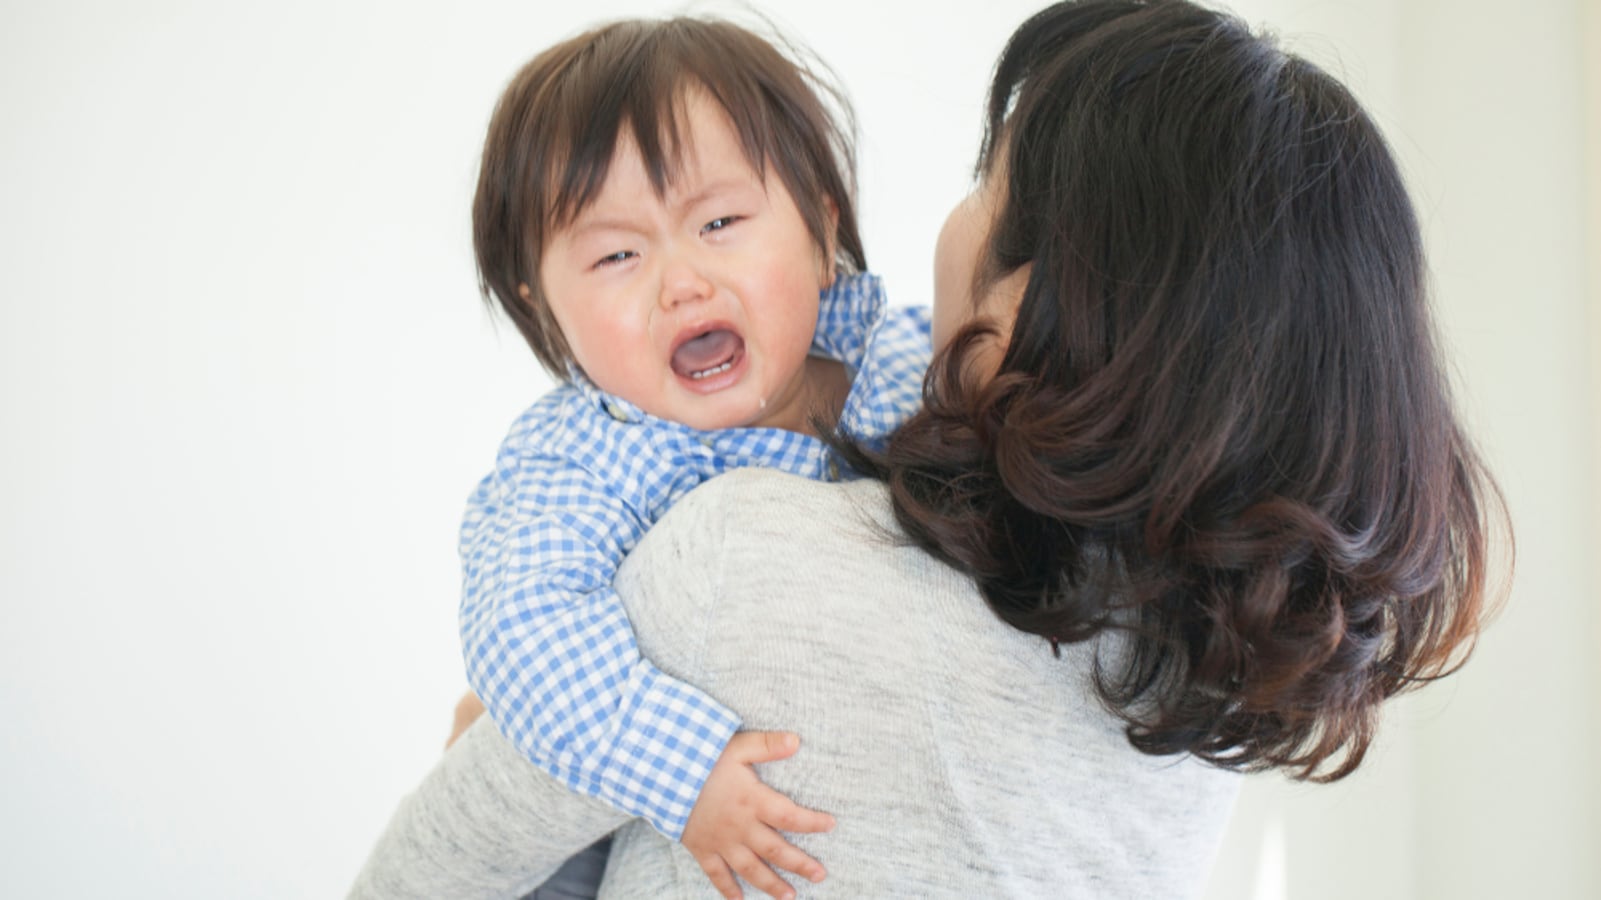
[
  {"x": 735, "y": 823},
  {"x": 468, "y": 709}
]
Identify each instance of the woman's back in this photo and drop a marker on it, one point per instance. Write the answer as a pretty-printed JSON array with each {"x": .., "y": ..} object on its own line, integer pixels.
[
  {"x": 960, "y": 757},
  {"x": 958, "y": 754}
]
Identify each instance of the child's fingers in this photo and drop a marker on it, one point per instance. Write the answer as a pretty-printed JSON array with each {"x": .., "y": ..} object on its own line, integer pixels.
[
  {"x": 778, "y": 811},
  {"x": 762, "y": 746},
  {"x": 468, "y": 709},
  {"x": 778, "y": 852},
  {"x": 721, "y": 877},
  {"x": 753, "y": 870}
]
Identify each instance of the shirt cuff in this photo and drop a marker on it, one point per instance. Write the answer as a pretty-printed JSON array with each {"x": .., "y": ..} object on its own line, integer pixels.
[{"x": 674, "y": 736}]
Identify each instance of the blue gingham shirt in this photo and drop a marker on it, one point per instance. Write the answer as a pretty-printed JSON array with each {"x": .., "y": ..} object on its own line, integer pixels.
[{"x": 579, "y": 479}]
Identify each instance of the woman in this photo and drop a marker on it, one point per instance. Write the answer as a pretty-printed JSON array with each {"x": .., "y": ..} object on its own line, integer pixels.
[{"x": 1189, "y": 456}]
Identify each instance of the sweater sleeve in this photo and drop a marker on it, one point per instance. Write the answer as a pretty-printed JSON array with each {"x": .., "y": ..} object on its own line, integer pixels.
[
  {"x": 483, "y": 823},
  {"x": 550, "y": 651}
]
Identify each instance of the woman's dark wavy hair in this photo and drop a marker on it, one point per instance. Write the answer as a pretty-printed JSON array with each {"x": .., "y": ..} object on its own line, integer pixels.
[{"x": 1222, "y": 422}]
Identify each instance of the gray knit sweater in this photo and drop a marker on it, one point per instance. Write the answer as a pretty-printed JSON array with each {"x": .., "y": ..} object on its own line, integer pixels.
[{"x": 959, "y": 756}]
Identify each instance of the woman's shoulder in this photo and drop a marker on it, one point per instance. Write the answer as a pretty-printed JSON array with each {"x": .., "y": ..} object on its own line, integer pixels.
[
  {"x": 762, "y": 518},
  {"x": 754, "y": 486},
  {"x": 756, "y": 509}
]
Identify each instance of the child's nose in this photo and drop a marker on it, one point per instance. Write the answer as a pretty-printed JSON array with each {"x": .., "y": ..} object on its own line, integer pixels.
[{"x": 683, "y": 282}]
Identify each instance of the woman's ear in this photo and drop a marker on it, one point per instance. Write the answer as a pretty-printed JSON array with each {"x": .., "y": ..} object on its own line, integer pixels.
[{"x": 524, "y": 292}]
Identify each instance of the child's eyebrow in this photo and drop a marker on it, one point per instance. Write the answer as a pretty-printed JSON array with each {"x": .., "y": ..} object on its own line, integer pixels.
[
  {"x": 585, "y": 224},
  {"x": 713, "y": 189}
]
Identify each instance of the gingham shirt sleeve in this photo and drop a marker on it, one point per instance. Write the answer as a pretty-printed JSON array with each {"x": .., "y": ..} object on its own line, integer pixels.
[{"x": 549, "y": 648}]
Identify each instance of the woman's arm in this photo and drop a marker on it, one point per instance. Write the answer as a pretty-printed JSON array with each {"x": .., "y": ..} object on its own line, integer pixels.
[{"x": 483, "y": 823}]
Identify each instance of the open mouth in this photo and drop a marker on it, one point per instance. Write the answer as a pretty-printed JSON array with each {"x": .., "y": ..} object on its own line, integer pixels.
[{"x": 708, "y": 354}]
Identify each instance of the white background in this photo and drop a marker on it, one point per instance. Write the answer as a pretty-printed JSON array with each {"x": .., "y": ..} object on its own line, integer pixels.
[{"x": 246, "y": 383}]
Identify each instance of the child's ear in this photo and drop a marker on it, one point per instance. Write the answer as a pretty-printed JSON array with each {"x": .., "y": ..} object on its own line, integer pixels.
[{"x": 830, "y": 244}]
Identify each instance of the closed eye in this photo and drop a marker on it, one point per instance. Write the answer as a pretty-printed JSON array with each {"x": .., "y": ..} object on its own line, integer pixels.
[
  {"x": 719, "y": 223},
  {"x": 613, "y": 259}
]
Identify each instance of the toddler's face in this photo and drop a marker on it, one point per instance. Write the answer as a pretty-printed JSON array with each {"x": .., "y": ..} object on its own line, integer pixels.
[{"x": 698, "y": 306}]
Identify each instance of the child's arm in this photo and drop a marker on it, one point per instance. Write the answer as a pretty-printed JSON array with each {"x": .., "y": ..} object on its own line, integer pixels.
[
  {"x": 550, "y": 651},
  {"x": 735, "y": 823}
]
